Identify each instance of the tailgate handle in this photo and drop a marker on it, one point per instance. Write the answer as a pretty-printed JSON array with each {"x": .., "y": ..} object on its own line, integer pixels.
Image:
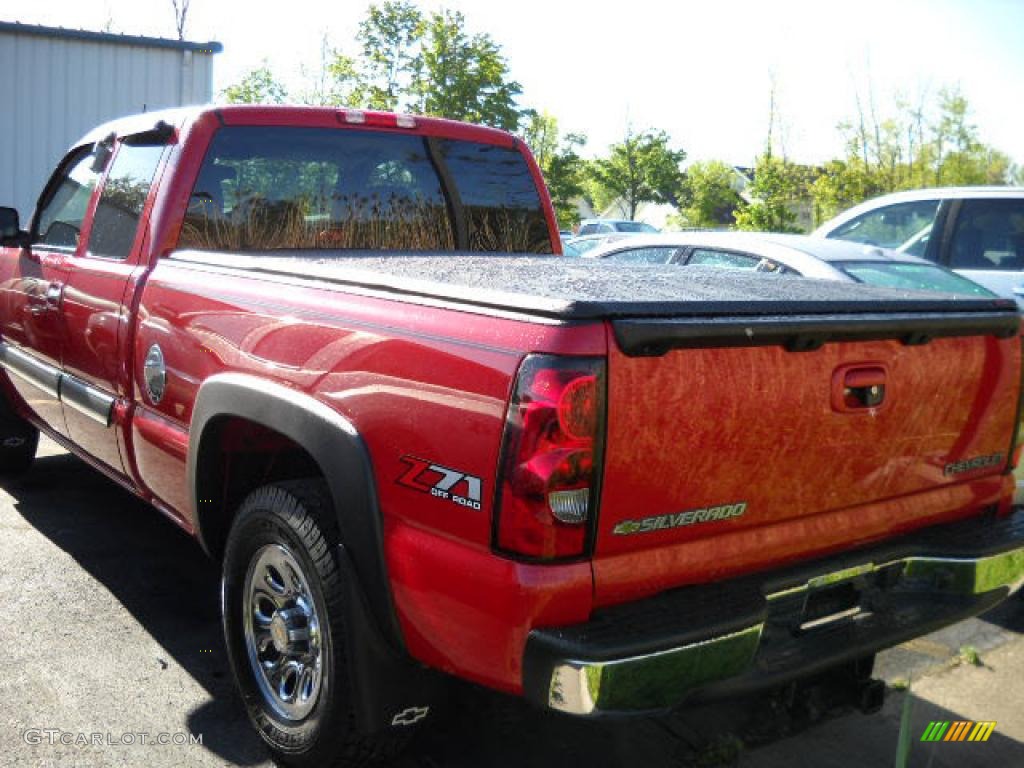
[{"x": 858, "y": 387}]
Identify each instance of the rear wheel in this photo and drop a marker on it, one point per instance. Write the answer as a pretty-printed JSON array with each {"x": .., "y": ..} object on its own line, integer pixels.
[
  {"x": 284, "y": 626},
  {"x": 19, "y": 441}
]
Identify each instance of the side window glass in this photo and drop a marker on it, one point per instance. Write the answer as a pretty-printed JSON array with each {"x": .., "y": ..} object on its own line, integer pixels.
[
  {"x": 122, "y": 200},
  {"x": 903, "y": 226},
  {"x": 707, "y": 258},
  {"x": 643, "y": 255},
  {"x": 59, "y": 220},
  {"x": 989, "y": 234}
]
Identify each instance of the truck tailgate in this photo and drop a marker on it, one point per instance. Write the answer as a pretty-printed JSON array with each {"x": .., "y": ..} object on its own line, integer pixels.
[{"x": 730, "y": 451}]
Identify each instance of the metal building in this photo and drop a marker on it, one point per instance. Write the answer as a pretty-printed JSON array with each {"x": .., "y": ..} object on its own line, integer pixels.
[{"x": 58, "y": 83}]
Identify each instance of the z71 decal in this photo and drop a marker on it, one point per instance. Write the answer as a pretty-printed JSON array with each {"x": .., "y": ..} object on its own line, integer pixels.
[{"x": 442, "y": 482}]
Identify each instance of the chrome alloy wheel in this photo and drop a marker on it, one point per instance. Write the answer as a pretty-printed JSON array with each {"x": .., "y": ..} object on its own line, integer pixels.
[{"x": 282, "y": 633}]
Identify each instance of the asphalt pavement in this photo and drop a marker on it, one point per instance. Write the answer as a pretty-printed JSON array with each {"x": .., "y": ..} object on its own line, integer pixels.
[{"x": 110, "y": 641}]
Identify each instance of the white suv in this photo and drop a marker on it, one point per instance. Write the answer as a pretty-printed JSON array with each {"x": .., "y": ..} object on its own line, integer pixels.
[{"x": 977, "y": 231}]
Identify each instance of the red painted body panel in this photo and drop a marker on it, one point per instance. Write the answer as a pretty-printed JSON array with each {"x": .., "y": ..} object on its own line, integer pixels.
[{"x": 765, "y": 432}]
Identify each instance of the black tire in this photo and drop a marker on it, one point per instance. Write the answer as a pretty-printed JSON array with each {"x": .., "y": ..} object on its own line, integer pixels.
[
  {"x": 19, "y": 441},
  {"x": 291, "y": 515}
]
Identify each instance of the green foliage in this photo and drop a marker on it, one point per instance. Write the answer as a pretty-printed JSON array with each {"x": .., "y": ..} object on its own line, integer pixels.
[
  {"x": 915, "y": 148},
  {"x": 969, "y": 655},
  {"x": 429, "y": 64},
  {"x": 841, "y": 184},
  {"x": 346, "y": 86},
  {"x": 712, "y": 199},
  {"x": 641, "y": 168},
  {"x": 464, "y": 76},
  {"x": 390, "y": 37},
  {"x": 905, "y": 741},
  {"x": 777, "y": 190},
  {"x": 559, "y": 161},
  {"x": 258, "y": 86}
]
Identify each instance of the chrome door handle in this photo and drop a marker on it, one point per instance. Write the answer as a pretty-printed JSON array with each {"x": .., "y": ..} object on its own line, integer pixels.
[{"x": 54, "y": 297}]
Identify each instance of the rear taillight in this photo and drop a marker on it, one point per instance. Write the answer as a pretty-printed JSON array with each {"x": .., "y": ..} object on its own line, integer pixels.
[{"x": 551, "y": 458}]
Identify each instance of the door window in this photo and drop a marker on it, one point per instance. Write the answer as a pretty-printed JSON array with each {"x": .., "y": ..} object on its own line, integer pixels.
[
  {"x": 903, "y": 226},
  {"x": 643, "y": 255},
  {"x": 59, "y": 219},
  {"x": 989, "y": 235},
  {"x": 703, "y": 257},
  {"x": 122, "y": 200}
]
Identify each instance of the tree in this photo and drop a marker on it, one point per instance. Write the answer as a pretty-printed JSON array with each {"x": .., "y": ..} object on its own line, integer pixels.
[
  {"x": 960, "y": 157},
  {"x": 776, "y": 190},
  {"x": 841, "y": 184},
  {"x": 713, "y": 201},
  {"x": 559, "y": 161},
  {"x": 180, "y": 15},
  {"x": 641, "y": 168},
  {"x": 390, "y": 37},
  {"x": 463, "y": 76},
  {"x": 258, "y": 86}
]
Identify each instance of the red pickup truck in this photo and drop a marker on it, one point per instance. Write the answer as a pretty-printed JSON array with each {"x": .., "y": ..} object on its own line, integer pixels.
[{"x": 340, "y": 348}]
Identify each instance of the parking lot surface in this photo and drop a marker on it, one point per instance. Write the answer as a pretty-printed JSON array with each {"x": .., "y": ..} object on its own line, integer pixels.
[{"x": 111, "y": 637}]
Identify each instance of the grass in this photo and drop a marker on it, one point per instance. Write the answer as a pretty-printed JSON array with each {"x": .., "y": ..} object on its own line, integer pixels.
[
  {"x": 905, "y": 742},
  {"x": 969, "y": 655}
]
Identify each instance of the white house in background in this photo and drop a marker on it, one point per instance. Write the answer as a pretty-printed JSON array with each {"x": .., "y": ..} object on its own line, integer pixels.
[{"x": 59, "y": 83}]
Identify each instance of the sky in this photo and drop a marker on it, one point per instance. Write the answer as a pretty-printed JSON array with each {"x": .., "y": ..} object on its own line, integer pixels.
[{"x": 702, "y": 71}]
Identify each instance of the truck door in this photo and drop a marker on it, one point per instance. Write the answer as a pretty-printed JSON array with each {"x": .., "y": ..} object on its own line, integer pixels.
[
  {"x": 33, "y": 281},
  {"x": 97, "y": 301}
]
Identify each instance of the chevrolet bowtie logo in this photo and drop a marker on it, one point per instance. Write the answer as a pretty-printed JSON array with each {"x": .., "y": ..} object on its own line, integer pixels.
[{"x": 410, "y": 716}]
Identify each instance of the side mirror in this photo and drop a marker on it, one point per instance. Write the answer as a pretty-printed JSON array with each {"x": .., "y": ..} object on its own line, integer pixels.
[{"x": 10, "y": 228}]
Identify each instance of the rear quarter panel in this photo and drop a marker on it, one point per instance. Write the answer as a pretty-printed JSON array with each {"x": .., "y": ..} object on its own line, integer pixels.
[{"x": 421, "y": 381}]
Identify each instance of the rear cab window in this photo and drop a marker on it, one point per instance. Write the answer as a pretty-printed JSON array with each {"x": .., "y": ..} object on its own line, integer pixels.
[{"x": 295, "y": 188}]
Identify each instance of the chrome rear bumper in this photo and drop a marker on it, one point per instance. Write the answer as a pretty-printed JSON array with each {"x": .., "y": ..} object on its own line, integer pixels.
[{"x": 775, "y": 630}]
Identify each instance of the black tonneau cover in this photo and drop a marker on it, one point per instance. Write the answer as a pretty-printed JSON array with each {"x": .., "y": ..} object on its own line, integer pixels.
[{"x": 652, "y": 306}]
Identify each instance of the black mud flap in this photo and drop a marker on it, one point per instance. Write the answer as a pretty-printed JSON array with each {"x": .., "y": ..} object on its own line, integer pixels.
[{"x": 389, "y": 688}]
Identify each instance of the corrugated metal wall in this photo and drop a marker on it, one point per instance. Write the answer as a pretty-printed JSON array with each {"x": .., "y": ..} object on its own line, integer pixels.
[{"x": 54, "y": 90}]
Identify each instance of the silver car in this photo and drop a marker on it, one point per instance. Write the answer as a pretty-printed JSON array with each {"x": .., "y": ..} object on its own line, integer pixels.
[
  {"x": 977, "y": 231},
  {"x": 606, "y": 226},
  {"x": 790, "y": 255}
]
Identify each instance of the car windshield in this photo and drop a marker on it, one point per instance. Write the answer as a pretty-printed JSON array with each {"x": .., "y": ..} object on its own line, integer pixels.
[
  {"x": 634, "y": 226},
  {"x": 917, "y": 277}
]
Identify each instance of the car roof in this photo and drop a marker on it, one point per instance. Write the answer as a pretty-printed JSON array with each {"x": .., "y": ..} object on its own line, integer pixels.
[
  {"x": 807, "y": 255},
  {"x": 291, "y": 116},
  {"x": 609, "y": 236},
  {"x": 915, "y": 195}
]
